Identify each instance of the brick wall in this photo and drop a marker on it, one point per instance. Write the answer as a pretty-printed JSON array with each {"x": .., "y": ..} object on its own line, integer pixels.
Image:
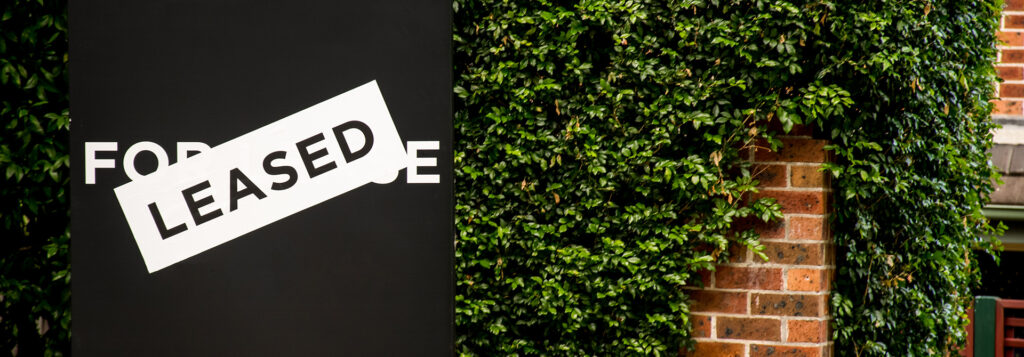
[
  {"x": 1008, "y": 151},
  {"x": 750, "y": 307},
  {"x": 1011, "y": 61}
]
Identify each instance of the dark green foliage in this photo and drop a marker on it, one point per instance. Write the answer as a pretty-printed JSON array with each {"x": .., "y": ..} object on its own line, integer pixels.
[
  {"x": 597, "y": 162},
  {"x": 35, "y": 275},
  {"x": 912, "y": 173}
]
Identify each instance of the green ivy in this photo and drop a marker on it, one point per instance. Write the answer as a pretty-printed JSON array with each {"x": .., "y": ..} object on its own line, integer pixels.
[
  {"x": 600, "y": 162},
  {"x": 35, "y": 276},
  {"x": 600, "y": 150},
  {"x": 600, "y": 165},
  {"x": 912, "y": 172}
]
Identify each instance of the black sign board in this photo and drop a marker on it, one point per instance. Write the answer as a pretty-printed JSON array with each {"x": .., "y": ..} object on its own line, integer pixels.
[{"x": 261, "y": 178}]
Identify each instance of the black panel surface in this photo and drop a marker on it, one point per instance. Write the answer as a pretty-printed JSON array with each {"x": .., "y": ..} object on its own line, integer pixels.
[{"x": 367, "y": 273}]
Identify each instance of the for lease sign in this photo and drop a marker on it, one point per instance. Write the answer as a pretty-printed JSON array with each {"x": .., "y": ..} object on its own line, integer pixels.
[
  {"x": 258, "y": 178},
  {"x": 261, "y": 178}
]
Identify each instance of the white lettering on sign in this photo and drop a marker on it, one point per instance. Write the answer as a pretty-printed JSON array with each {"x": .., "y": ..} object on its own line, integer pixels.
[
  {"x": 185, "y": 150},
  {"x": 415, "y": 162},
  {"x": 92, "y": 163},
  {"x": 135, "y": 150},
  {"x": 258, "y": 178}
]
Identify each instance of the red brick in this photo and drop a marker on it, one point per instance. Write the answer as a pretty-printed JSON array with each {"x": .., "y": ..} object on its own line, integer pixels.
[
  {"x": 718, "y": 301},
  {"x": 749, "y": 328},
  {"x": 770, "y": 175},
  {"x": 806, "y": 280},
  {"x": 795, "y": 253},
  {"x": 784, "y": 351},
  {"x": 1014, "y": 5},
  {"x": 748, "y": 278},
  {"x": 787, "y": 305},
  {"x": 807, "y": 331},
  {"x": 801, "y": 130},
  {"x": 701, "y": 325},
  {"x": 1010, "y": 73},
  {"x": 737, "y": 253},
  {"x": 809, "y": 176},
  {"x": 1007, "y": 107},
  {"x": 708, "y": 348},
  {"x": 1011, "y": 90},
  {"x": 793, "y": 150},
  {"x": 1011, "y": 38},
  {"x": 811, "y": 202},
  {"x": 807, "y": 228},
  {"x": 701, "y": 278},
  {"x": 767, "y": 230},
  {"x": 1012, "y": 56},
  {"x": 1013, "y": 21},
  {"x": 775, "y": 126}
]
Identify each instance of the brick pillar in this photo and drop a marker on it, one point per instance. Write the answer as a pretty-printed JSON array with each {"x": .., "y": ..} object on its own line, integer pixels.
[
  {"x": 1010, "y": 63},
  {"x": 750, "y": 307}
]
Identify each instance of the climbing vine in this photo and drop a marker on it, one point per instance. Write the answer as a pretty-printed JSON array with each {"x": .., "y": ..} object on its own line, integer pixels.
[{"x": 600, "y": 163}]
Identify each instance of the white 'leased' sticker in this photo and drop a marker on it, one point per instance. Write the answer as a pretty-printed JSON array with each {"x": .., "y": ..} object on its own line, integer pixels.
[{"x": 258, "y": 178}]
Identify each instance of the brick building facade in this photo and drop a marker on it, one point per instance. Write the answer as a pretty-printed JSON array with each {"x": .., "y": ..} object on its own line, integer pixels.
[{"x": 750, "y": 307}]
